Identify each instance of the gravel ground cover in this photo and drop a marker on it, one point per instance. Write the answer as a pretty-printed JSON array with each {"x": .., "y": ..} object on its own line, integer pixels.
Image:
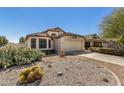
[{"x": 71, "y": 70}]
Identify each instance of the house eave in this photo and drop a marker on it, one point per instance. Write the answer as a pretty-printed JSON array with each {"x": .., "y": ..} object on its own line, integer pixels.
[{"x": 35, "y": 36}]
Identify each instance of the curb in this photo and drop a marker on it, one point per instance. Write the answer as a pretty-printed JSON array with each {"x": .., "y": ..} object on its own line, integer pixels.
[{"x": 117, "y": 79}]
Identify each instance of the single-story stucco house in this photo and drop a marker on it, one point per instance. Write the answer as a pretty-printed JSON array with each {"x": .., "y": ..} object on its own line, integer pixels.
[{"x": 55, "y": 39}]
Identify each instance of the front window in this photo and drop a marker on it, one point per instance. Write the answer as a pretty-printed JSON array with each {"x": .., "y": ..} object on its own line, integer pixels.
[
  {"x": 42, "y": 43},
  {"x": 33, "y": 43},
  {"x": 97, "y": 44}
]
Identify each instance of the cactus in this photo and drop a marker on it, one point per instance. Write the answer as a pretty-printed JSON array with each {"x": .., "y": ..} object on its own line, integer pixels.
[{"x": 30, "y": 75}]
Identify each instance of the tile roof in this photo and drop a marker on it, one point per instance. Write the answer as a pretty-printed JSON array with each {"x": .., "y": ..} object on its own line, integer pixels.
[
  {"x": 73, "y": 34},
  {"x": 44, "y": 33}
]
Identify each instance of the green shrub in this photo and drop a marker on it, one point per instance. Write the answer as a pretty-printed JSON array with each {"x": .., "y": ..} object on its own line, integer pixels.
[
  {"x": 10, "y": 56},
  {"x": 107, "y": 50},
  {"x": 30, "y": 74},
  {"x": 111, "y": 51},
  {"x": 95, "y": 49}
]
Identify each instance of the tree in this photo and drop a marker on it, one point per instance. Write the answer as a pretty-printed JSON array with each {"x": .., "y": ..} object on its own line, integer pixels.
[
  {"x": 113, "y": 25},
  {"x": 22, "y": 40},
  {"x": 121, "y": 40},
  {"x": 3, "y": 41}
]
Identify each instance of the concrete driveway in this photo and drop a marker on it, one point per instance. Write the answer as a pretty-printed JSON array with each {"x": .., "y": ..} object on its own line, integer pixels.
[{"x": 105, "y": 58}]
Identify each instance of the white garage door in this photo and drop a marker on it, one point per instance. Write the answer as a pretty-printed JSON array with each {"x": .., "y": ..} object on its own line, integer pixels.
[{"x": 72, "y": 45}]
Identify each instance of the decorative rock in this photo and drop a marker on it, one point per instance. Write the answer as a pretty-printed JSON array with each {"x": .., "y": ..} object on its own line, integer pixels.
[
  {"x": 36, "y": 83},
  {"x": 67, "y": 68},
  {"x": 105, "y": 80},
  {"x": 59, "y": 73},
  {"x": 50, "y": 66},
  {"x": 61, "y": 54}
]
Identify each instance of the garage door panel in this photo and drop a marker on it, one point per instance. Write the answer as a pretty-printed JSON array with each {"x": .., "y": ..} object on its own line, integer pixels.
[{"x": 72, "y": 45}]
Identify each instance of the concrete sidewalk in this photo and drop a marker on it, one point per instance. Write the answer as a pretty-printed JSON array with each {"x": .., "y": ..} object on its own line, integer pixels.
[{"x": 106, "y": 58}]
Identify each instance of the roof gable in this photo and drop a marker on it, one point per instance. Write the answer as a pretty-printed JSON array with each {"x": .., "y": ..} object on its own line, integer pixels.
[
  {"x": 92, "y": 36},
  {"x": 61, "y": 33},
  {"x": 57, "y": 29}
]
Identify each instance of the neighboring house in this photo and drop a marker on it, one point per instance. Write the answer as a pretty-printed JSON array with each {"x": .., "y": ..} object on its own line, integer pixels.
[
  {"x": 111, "y": 43},
  {"x": 93, "y": 40},
  {"x": 55, "y": 39}
]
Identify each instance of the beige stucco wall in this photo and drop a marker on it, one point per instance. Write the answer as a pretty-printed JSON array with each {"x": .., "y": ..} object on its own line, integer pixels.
[
  {"x": 58, "y": 44},
  {"x": 28, "y": 42},
  {"x": 71, "y": 44},
  {"x": 67, "y": 43}
]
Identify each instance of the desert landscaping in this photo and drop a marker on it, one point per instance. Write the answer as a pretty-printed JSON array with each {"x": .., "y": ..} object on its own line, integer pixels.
[
  {"x": 64, "y": 56},
  {"x": 70, "y": 70}
]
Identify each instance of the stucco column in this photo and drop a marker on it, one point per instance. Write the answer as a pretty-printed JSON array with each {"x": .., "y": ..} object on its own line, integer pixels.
[
  {"x": 91, "y": 44},
  {"x": 37, "y": 43},
  {"x": 29, "y": 43}
]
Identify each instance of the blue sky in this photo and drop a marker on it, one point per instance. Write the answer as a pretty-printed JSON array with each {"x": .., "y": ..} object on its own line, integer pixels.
[{"x": 17, "y": 22}]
